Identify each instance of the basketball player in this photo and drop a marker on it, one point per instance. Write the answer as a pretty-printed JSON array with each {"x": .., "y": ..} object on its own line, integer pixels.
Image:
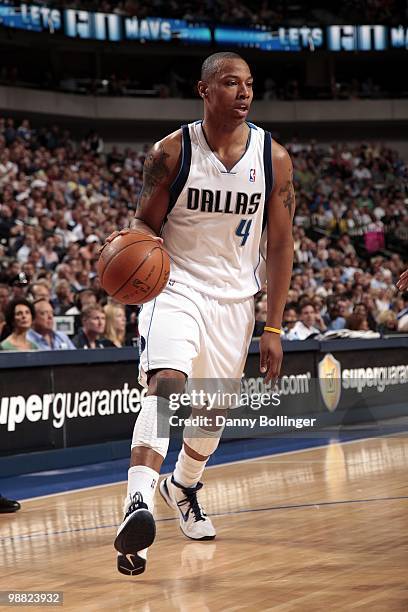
[{"x": 216, "y": 191}]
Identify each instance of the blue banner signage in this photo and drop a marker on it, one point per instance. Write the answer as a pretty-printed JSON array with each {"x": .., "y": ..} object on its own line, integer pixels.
[{"x": 89, "y": 25}]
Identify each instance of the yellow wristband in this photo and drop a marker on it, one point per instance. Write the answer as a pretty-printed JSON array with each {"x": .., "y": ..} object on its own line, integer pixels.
[{"x": 274, "y": 330}]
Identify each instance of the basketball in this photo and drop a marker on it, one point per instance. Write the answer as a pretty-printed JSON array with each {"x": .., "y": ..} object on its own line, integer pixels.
[{"x": 133, "y": 268}]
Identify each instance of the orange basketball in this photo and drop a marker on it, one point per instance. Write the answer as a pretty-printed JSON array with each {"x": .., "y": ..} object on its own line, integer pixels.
[{"x": 133, "y": 268}]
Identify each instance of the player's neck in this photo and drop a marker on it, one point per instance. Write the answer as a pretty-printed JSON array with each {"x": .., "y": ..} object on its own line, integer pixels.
[{"x": 220, "y": 135}]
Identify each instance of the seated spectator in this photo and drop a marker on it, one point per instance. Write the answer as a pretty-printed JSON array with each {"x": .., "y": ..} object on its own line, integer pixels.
[
  {"x": 65, "y": 297},
  {"x": 115, "y": 329},
  {"x": 42, "y": 333},
  {"x": 39, "y": 290},
  {"x": 334, "y": 317},
  {"x": 305, "y": 327},
  {"x": 362, "y": 310},
  {"x": 19, "y": 286},
  {"x": 91, "y": 334},
  {"x": 387, "y": 323},
  {"x": 2, "y": 322},
  {"x": 289, "y": 318},
  {"x": 83, "y": 299},
  {"x": 19, "y": 318},
  {"x": 404, "y": 310},
  {"x": 357, "y": 322},
  {"x": 5, "y": 296}
]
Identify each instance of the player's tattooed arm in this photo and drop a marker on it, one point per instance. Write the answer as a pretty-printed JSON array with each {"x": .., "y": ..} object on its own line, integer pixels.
[
  {"x": 287, "y": 194},
  {"x": 159, "y": 171},
  {"x": 155, "y": 171}
]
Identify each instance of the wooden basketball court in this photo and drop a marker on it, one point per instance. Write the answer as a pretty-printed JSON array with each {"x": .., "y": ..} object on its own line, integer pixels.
[{"x": 320, "y": 529}]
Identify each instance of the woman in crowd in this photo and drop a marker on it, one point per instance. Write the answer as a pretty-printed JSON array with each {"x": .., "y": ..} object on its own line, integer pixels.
[
  {"x": 19, "y": 318},
  {"x": 115, "y": 329}
]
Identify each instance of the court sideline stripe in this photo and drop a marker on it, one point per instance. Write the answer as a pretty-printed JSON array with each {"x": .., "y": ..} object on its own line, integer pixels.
[
  {"x": 208, "y": 467},
  {"x": 232, "y": 513}
]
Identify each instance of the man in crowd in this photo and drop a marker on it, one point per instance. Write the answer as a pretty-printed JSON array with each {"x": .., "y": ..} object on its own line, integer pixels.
[
  {"x": 90, "y": 335},
  {"x": 42, "y": 333},
  {"x": 289, "y": 318},
  {"x": 305, "y": 327}
]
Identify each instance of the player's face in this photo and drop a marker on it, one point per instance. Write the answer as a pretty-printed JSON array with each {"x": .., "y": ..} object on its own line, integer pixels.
[{"x": 230, "y": 91}]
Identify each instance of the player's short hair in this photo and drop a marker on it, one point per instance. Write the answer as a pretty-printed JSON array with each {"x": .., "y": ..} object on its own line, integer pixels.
[{"x": 212, "y": 63}]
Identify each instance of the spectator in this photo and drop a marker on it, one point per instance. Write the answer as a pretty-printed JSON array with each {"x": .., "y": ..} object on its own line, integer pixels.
[
  {"x": 365, "y": 310},
  {"x": 289, "y": 318},
  {"x": 40, "y": 291},
  {"x": 42, "y": 333},
  {"x": 305, "y": 327},
  {"x": 2, "y": 324},
  {"x": 19, "y": 286},
  {"x": 115, "y": 330},
  {"x": 5, "y": 296},
  {"x": 357, "y": 322},
  {"x": 387, "y": 323},
  {"x": 83, "y": 299},
  {"x": 64, "y": 297},
  {"x": 402, "y": 316},
  {"x": 91, "y": 335},
  {"x": 404, "y": 310},
  {"x": 19, "y": 318},
  {"x": 335, "y": 317}
]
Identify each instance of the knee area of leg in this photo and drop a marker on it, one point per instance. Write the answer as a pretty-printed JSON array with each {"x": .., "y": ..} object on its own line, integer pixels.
[{"x": 166, "y": 382}]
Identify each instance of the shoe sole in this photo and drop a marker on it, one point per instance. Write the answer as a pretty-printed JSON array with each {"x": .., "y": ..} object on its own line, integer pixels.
[
  {"x": 131, "y": 565},
  {"x": 167, "y": 499},
  {"x": 137, "y": 533}
]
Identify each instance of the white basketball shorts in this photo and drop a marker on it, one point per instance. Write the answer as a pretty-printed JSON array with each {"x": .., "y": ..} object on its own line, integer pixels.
[{"x": 204, "y": 337}]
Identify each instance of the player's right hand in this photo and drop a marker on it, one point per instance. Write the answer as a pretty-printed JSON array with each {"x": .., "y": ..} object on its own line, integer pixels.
[
  {"x": 129, "y": 230},
  {"x": 271, "y": 354}
]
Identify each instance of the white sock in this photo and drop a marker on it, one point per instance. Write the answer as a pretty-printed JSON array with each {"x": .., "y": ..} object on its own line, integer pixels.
[
  {"x": 188, "y": 471},
  {"x": 143, "y": 479}
]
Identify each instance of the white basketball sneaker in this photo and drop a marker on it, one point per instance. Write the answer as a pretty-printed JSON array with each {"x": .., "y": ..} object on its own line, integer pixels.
[
  {"x": 134, "y": 536},
  {"x": 194, "y": 523}
]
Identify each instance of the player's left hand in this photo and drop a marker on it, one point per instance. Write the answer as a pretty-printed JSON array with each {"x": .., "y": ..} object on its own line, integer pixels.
[
  {"x": 271, "y": 354},
  {"x": 402, "y": 283}
]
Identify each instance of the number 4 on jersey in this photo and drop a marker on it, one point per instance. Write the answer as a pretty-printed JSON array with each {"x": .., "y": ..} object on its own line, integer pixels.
[{"x": 243, "y": 230}]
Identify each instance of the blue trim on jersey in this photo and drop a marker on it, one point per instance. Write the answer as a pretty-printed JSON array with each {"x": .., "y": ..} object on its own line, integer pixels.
[
  {"x": 181, "y": 179},
  {"x": 257, "y": 266},
  {"x": 268, "y": 170},
  {"x": 147, "y": 338},
  {"x": 251, "y": 125}
]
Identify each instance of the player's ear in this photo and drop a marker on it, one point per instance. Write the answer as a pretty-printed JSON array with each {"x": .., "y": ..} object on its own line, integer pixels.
[{"x": 202, "y": 88}]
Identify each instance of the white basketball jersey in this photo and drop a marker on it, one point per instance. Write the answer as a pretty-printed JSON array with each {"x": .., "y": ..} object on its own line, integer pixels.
[{"x": 214, "y": 229}]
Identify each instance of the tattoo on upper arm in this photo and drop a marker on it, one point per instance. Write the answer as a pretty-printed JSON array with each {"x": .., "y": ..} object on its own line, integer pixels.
[
  {"x": 287, "y": 193},
  {"x": 154, "y": 171}
]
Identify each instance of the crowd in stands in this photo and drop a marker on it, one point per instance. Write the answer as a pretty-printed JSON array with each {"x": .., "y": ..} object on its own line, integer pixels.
[
  {"x": 178, "y": 84},
  {"x": 59, "y": 200}
]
